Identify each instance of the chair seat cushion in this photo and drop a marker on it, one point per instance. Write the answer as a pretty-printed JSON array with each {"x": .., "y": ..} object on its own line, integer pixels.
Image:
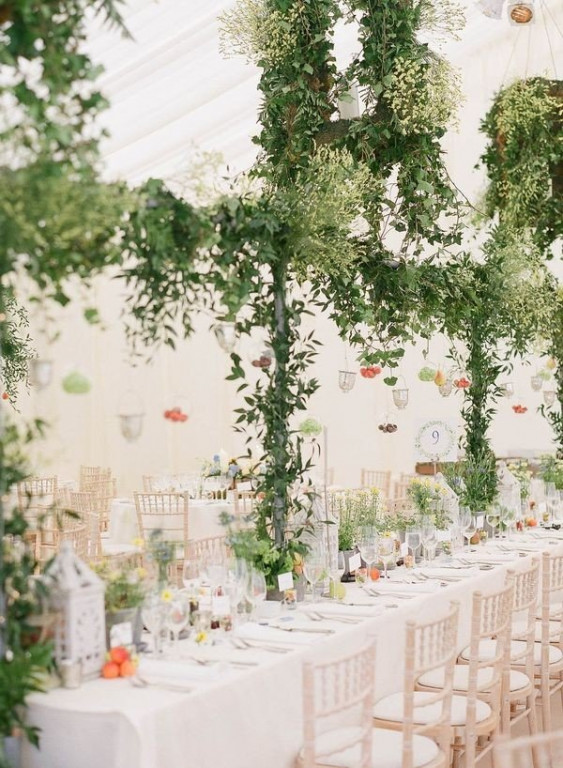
[
  {"x": 387, "y": 749},
  {"x": 391, "y": 708},
  {"x": 487, "y": 650},
  {"x": 435, "y": 679}
]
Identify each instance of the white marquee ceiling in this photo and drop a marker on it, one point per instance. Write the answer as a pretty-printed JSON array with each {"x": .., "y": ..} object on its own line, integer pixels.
[{"x": 171, "y": 89}]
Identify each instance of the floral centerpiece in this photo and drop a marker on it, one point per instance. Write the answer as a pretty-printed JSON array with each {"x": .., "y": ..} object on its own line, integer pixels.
[
  {"x": 551, "y": 470},
  {"x": 232, "y": 469},
  {"x": 428, "y": 500},
  {"x": 124, "y": 594},
  {"x": 354, "y": 510},
  {"x": 522, "y": 472}
]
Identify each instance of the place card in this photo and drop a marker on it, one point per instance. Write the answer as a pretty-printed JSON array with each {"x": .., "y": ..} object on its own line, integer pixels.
[
  {"x": 354, "y": 562},
  {"x": 220, "y": 605},
  {"x": 404, "y": 549},
  {"x": 480, "y": 521},
  {"x": 285, "y": 581}
]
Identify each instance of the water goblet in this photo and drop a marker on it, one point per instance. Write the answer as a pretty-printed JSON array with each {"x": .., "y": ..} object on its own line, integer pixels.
[
  {"x": 468, "y": 524},
  {"x": 386, "y": 550}
]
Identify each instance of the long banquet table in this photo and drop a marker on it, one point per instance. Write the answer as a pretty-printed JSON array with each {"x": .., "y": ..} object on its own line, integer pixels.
[{"x": 250, "y": 716}]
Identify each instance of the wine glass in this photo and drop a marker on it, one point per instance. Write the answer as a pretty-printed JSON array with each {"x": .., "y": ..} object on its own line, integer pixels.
[
  {"x": 235, "y": 582},
  {"x": 386, "y": 550},
  {"x": 508, "y": 519},
  {"x": 468, "y": 524},
  {"x": 493, "y": 518},
  {"x": 413, "y": 541},
  {"x": 153, "y": 615},
  {"x": 315, "y": 566},
  {"x": 428, "y": 540},
  {"x": 368, "y": 546},
  {"x": 177, "y": 617},
  {"x": 190, "y": 574},
  {"x": 255, "y": 588}
]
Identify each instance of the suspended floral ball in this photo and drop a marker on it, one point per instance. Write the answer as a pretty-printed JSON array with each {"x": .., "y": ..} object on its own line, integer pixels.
[
  {"x": 262, "y": 355},
  {"x": 176, "y": 414},
  {"x": 76, "y": 383},
  {"x": 370, "y": 371},
  {"x": 519, "y": 408},
  {"x": 388, "y": 427},
  {"x": 462, "y": 383},
  {"x": 310, "y": 427},
  {"x": 427, "y": 373},
  {"x": 5, "y": 396}
]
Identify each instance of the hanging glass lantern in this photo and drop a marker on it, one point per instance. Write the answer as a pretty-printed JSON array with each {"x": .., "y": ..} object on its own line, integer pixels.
[
  {"x": 40, "y": 373},
  {"x": 401, "y": 398},
  {"x": 549, "y": 396},
  {"x": 536, "y": 382},
  {"x": 226, "y": 335},
  {"x": 131, "y": 415},
  {"x": 346, "y": 380},
  {"x": 507, "y": 389},
  {"x": 446, "y": 389}
]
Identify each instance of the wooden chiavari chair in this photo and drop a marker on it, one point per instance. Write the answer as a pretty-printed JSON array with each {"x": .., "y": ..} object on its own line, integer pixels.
[
  {"x": 90, "y": 509},
  {"x": 540, "y": 751},
  {"x": 36, "y": 496},
  {"x": 89, "y": 475},
  {"x": 372, "y": 478}
]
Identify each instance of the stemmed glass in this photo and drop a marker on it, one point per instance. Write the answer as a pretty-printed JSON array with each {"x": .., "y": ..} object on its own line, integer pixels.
[
  {"x": 368, "y": 546},
  {"x": 190, "y": 575},
  {"x": 177, "y": 617},
  {"x": 428, "y": 540},
  {"x": 386, "y": 550},
  {"x": 153, "y": 615},
  {"x": 235, "y": 582},
  {"x": 508, "y": 519},
  {"x": 493, "y": 518},
  {"x": 413, "y": 541},
  {"x": 468, "y": 524},
  {"x": 255, "y": 589},
  {"x": 315, "y": 567}
]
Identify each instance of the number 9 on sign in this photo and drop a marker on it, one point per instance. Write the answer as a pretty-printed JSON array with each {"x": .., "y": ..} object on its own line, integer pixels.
[{"x": 435, "y": 437}]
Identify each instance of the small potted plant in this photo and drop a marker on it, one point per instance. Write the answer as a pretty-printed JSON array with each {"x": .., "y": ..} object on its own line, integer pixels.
[{"x": 124, "y": 595}]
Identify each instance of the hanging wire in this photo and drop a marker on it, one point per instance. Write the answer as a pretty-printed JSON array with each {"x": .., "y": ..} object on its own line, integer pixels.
[
  {"x": 545, "y": 8},
  {"x": 516, "y": 39},
  {"x": 528, "y": 46}
]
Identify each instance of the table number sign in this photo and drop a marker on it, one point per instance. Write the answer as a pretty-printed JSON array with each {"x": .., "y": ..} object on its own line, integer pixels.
[{"x": 436, "y": 440}]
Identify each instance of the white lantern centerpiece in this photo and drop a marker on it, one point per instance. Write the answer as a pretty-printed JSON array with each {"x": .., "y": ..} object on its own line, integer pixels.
[{"x": 77, "y": 595}]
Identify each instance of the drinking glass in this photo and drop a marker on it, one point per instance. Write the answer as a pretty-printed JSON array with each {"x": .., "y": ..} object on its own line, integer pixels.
[
  {"x": 235, "y": 583},
  {"x": 428, "y": 540},
  {"x": 386, "y": 550},
  {"x": 153, "y": 615},
  {"x": 368, "y": 546},
  {"x": 255, "y": 589},
  {"x": 508, "y": 519},
  {"x": 190, "y": 574},
  {"x": 468, "y": 524},
  {"x": 315, "y": 567},
  {"x": 413, "y": 541},
  {"x": 493, "y": 518},
  {"x": 177, "y": 617}
]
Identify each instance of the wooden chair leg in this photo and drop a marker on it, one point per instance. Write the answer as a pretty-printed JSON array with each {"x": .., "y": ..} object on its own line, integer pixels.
[{"x": 546, "y": 704}]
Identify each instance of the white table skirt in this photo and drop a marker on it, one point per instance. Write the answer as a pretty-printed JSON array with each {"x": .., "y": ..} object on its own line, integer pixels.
[
  {"x": 203, "y": 520},
  {"x": 250, "y": 718}
]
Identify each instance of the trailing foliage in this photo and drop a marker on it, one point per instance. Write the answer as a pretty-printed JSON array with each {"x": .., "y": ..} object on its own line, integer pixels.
[{"x": 524, "y": 158}]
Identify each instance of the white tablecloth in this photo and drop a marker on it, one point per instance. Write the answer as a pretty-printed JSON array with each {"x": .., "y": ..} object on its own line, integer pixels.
[
  {"x": 203, "y": 520},
  {"x": 249, "y": 718}
]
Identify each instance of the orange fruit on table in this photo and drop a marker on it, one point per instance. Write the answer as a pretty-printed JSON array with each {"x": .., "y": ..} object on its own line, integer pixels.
[
  {"x": 110, "y": 670},
  {"x": 374, "y": 573},
  {"x": 119, "y": 654},
  {"x": 531, "y": 522},
  {"x": 128, "y": 668}
]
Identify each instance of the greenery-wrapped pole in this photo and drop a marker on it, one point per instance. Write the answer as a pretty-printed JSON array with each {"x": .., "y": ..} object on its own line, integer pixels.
[{"x": 280, "y": 427}]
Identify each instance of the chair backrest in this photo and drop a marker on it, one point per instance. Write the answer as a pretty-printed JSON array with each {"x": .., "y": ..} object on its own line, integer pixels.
[
  {"x": 148, "y": 483},
  {"x": 59, "y": 526},
  {"x": 36, "y": 495},
  {"x": 373, "y": 478},
  {"x": 89, "y": 475},
  {"x": 543, "y": 750},
  {"x": 244, "y": 501},
  {"x": 212, "y": 549},
  {"x": 524, "y": 612},
  {"x": 90, "y": 509},
  {"x": 342, "y": 688},
  {"x": 430, "y": 646},
  {"x": 167, "y": 512}
]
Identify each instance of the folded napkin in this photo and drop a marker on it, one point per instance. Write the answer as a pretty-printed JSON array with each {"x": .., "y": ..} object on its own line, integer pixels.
[
  {"x": 400, "y": 586},
  {"x": 153, "y": 670},
  {"x": 262, "y": 633},
  {"x": 354, "y": 609},
  {"x": 449, "y": 573}
]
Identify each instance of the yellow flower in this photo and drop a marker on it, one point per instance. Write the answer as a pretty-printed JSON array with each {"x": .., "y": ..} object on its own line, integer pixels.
[
  {"x": 166, "y": 595},
  {"x": 138, "y": 542},
  {"x": 141, "y": 573},
  {"x": 201, "y": 637}
]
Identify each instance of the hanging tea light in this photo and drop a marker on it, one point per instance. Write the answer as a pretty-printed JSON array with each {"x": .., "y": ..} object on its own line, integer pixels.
[
  {"x": 507, "y": 389},
  {"x": 40, "y": 373},
  {"x": 346, "y": 380},
  {"x": 446, "y": 389},
  {"x": 131, "y": 415},
  {"x": 549, "y": 396},
  {"x": 536, "y": 382},
  {"x": 226, "y": 335},
  {"x": 401, "y": 398}
]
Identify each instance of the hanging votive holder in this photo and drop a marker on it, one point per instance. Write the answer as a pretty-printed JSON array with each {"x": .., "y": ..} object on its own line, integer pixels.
[
  {"x": 131, "y": 416},
  {"x": 549, "y": 396},
  {"x": 446, "y": 389},
  {"x": 507, "y": 389},
  {"x": 401, "y": 398},
  {"x": 346, "y": 380},
  {"x": 536, "y": 382},
  {"x": 40, "y": 373},
  {"x": 226, "y": 335}
]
